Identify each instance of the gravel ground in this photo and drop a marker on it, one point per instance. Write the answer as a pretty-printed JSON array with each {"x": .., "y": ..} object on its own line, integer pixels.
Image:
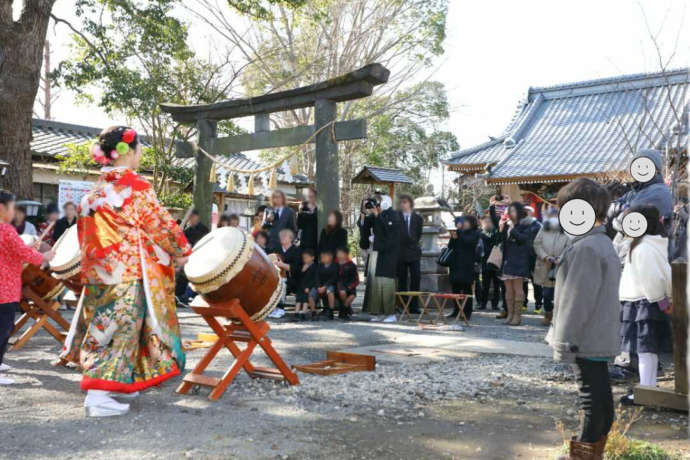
[{"x": 475, "y": 406}]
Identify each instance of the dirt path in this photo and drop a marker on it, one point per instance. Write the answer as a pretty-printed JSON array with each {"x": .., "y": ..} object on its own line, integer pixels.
[{"x": 473, "y": 405}]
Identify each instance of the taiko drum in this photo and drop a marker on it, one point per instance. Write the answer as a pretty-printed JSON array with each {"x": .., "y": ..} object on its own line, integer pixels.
[
  {"x": 226, "y": 264},
  {"x": 66, "y": 265},
  {"x": 40, "y": 281}
]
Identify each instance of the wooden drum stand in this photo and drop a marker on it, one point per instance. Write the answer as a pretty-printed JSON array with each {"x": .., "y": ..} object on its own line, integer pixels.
[
  {"x": 240, "y": 328},
  {"x": 34, "y": 307}
]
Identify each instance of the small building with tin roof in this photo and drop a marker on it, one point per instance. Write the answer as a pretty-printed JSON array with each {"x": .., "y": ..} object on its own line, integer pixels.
[{"x": 376, "y": 175}]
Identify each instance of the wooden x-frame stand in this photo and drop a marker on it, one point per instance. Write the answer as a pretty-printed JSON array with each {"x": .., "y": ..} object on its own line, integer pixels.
[
  {"x": 240, "y": 329},
  {"x": 34, "y": 307}
]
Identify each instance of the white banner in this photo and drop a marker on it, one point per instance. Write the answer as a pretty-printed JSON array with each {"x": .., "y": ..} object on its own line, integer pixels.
[{"x": 72, "y": 190}]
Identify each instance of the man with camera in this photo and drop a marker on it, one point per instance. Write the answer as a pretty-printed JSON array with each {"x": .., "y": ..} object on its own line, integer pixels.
[
  {"x": 307, "y": 223},
  {"x": 410, "y": 250},
  {"x": 386, "y": 245},
  {"x": 279, "y": 217}
]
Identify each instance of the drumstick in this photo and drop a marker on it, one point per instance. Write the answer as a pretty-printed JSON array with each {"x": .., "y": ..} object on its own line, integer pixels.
[
  {"x": 186, "y": 216},
  {"x": 37, "y": 244}
]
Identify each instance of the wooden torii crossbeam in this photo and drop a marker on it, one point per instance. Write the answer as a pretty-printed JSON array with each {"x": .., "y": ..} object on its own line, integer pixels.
[{"x": 323, "y": 96}]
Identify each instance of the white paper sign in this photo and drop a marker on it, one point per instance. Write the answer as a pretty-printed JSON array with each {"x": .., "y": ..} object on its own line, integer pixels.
[{"x": 72, "y": 190}]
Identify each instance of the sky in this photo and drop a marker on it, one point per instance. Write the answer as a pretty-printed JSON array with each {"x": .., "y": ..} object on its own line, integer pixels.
[{"x": 496, "y": 49}]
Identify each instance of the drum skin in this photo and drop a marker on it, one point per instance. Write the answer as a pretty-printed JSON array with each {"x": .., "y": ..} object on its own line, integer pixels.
[
  {"x": 41, "y": 282},
  {"x": 253, "y": 286},
  {"x": 66, "y": 266}
]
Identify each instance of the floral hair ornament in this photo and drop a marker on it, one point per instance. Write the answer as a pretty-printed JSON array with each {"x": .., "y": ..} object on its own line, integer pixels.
[
  {"x": 122, "y": 148},
  {"x": 99, "y": 155},
  {"x": 129, "y": 135}
]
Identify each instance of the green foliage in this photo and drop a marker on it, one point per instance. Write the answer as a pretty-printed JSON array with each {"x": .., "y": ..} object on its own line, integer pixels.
[
  {"x": 131, "y": 56},
  {"x": 177, "y": 200},
  {"x": 77, "y": 159},
  {"x": 260, "y": 8},
  {"x": 408, "y": 137},
  {"x": 642, "y": 450}
]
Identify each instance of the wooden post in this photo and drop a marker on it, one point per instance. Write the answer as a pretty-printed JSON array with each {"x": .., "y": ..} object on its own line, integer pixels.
[
  {"x": 327, "y": 166},
  {"x": 678, "y": 397},
  {"x": 391, "y": 191},
  {"x": 680, "y": 326},
  {"x": 262, "y": 123},
  {"x": 203, "y": 188}
]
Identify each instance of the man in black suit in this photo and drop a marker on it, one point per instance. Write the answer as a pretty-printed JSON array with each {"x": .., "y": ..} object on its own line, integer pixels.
[
  {"x": 410, "y": 250},
  {"x": 282, "y": 218},
  {"x": 307, "y": 224}
]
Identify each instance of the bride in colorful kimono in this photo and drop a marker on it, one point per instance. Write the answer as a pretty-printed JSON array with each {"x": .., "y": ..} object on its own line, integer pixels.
[{"x": 125, "y": 335}]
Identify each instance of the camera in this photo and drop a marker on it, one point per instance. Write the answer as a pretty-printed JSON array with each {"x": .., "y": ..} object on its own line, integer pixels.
[
  {"x": 269, "y": 216},
  {"x": 370, "y": 203}
]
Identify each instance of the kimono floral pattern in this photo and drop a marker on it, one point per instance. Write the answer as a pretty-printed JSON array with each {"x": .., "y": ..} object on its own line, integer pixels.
[
  {"x": 126, "y": 336},
  {"x": 120, "y": 352}
]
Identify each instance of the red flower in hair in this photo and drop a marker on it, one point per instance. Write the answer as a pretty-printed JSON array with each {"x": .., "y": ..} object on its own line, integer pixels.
[{"x": 129, "y": 135}]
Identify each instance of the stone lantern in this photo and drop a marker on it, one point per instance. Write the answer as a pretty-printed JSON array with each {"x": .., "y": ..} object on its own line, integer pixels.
[{"x": 434, "y": 277}]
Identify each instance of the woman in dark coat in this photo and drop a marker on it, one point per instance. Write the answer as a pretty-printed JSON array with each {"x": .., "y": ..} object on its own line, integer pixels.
[
  {"x": 515, "y": 231},
  {"x": 334, "y": 236},
  {"x": 463, "y": 243}
]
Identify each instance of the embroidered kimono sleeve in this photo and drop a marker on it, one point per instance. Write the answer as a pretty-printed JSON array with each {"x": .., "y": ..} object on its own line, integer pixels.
[{"x": 159, "y": 226}]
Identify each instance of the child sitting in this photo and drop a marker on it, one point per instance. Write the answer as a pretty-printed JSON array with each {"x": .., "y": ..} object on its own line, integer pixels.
[
  {"x": 586, "y": 310},
  {"x": 327, "y": 278},
  {"x": 261, "y": 239},
  {"x": 12, "y": 257},
  {"x": 307, "y": 286},
  {"x": 347, "y": 282}
]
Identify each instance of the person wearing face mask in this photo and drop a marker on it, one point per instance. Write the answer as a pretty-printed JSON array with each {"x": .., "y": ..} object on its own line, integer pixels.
[
  {"x": 386, "y": 229},
  {"x": 549, "y": 246},
  {"x": 463, "y": 242}
]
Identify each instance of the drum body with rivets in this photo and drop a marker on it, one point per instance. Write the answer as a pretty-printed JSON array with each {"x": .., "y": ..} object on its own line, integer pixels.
[
  {"x": 227, "y": 264},
  {"x": 66, "y": 265}
]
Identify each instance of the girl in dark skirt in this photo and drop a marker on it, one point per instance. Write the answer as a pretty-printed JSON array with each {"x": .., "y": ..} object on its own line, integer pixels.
[{"x": 645, "y": 292}]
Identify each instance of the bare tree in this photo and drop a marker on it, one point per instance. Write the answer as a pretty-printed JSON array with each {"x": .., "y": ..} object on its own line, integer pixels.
[
  {"x": 47, "y": 95},
  {"x": 324, "y": 39}
]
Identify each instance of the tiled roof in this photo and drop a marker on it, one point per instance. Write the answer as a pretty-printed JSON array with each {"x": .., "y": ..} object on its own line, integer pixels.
[
  {"x": 370, "y": 174},
  {"x": 585, "y": 128},
  {"x": 51, "y": 137}
]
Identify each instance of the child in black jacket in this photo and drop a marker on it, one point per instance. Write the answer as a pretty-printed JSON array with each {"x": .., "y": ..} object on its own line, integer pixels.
[
  {"x": 347, "y": 282},
  {"x": 327, "y": 278},
  {"x": 308, "y": 281}
]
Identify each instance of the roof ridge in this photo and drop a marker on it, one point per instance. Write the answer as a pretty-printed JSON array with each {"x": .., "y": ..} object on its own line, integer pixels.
[
  {"x": 52, "y": 124},
  {"x": 469, "y": 151},
  {"x": 609, "y": 80}
]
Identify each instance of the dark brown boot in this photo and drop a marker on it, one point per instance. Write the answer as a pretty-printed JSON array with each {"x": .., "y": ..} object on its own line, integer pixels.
[
  {"x": 548, "y": 317},
  {"x": 579, "y": 450},
  {"x": 517, "y": 312}
]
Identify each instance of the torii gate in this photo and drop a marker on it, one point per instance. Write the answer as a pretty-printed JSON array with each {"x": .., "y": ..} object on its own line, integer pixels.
[{"x": 323, "y": 96}]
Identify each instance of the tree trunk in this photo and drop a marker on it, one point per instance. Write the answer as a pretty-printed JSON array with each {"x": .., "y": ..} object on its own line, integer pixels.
[{"x": 21, "y": 55}]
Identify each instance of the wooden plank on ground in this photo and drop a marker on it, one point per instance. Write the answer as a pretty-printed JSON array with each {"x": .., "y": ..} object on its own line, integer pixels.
[{"x": 660, "y": 397}]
